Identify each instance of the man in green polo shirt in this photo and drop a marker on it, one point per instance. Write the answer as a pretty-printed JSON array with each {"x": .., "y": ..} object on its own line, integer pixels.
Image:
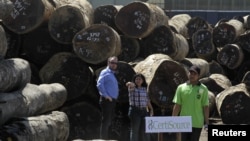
[{"x": 191, "y": 99}]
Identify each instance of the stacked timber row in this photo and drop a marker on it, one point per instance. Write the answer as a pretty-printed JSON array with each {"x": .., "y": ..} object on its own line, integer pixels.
[
  {"x": 227, "y": 32},
  {"x": 70, "y": 18},
  {"x": 31, "y": 100},
  {"x": 96, "y": 43},
  {"x": 53, "y": 126},
  {"x": 138, "y": 19}
]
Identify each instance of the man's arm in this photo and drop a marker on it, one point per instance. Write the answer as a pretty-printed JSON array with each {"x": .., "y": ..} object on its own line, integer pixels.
[{"x": 176, "y": 109}]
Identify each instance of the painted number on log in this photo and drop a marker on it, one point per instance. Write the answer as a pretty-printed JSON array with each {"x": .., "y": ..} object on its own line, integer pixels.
[
  {"x": 140, "y": 20},
  {"x": 19, "y": 8}
]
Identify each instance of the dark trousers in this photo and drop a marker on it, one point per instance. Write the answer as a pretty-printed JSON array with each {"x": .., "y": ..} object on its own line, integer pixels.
[
  {"x": 108, "y": 112},
  {"x": 137, "y": 122},
  {"x": 191, "y": 136}
]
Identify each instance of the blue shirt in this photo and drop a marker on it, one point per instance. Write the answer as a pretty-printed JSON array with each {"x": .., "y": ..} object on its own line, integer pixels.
[{"x": 107, "y": 84}]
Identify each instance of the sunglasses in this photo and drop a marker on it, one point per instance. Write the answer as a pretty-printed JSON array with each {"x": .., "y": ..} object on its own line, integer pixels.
[{"x": 113, "y": 62}]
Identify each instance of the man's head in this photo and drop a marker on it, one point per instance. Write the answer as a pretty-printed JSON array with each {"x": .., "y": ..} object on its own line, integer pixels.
[
  {"x": 112, "y": 62},
  {"x": 195, "y": 69}
]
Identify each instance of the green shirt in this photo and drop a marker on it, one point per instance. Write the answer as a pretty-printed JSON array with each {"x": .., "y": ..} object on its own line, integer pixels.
[{"x": 192, "y": 100}]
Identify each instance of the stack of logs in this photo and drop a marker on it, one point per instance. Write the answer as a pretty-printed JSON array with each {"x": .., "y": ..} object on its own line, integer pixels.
[{"x": 51, "y": 54}]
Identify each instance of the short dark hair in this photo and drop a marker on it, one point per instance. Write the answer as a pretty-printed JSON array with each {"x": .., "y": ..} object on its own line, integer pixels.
[{"x": 195, "y": 69}]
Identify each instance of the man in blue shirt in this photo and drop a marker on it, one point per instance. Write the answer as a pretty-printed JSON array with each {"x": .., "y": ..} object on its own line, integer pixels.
[{"x": 107, "y": 86}]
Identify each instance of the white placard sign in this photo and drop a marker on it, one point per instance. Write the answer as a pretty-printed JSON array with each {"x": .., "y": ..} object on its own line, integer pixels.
[{"x": 157, "y": 124}]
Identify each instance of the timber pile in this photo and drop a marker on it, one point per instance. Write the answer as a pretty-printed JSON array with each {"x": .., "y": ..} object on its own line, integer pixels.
[{"x": 67, "y": 44}]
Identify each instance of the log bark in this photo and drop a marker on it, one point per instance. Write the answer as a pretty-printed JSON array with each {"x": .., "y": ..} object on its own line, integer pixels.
[
  {"x": 246, "y": 22},
  {"x": 203, "y": 45},
  {"x": 178, "y": 24},
  {"x": 138, "y": 19},
  {"x": 27, "y": 15},
  {"x": 3, "y": 43},
  {"x": 203, "y": 64},
  {"x": 69, "y": 70},
  {"x": 233, "y": 105},
  {"x": 84, "y": 120},
  {"x": 216, "y": 83},
  {"x": 163, "y": 40},
  {"x": 31, "y": 100},
  {"x": 69, "y": 19},
  {"x": 53, "y": 126},
  {"x": 96, "y": 43},
  {"x": 15, "y": 73},
  {"x": 105, "y": 14},
  {"x": 162, "y": 85},
  {"x": 195, "y": 24},
  {"x": 227, "y": 32},
  {"x": 230, "y": 56}
]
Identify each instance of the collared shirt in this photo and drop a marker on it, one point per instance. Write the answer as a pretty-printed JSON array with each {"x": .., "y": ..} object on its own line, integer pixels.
[
  {"x": 107, "y": 84},
  {"x": 192, "y": 99},
  {"x": 138, "y": 97}
]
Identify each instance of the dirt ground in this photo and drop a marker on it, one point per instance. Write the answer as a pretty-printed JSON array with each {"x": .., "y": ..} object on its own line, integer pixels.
[{"x": 203, "y": 136}]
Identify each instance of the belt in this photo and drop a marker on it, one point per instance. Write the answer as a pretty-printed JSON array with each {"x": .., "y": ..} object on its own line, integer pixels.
[
  {"x": 139, "y": 108},
  {"x": 104, "y": 99}
]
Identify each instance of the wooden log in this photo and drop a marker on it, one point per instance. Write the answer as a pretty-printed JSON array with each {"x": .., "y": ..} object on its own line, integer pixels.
[
  {"x": 227, "y": 32},
  {"x": 216, "y": 83},
  {"x": 69, "y": 19},
  {"x": 230, "y": 56},
  {"x": 212, "y": 103},
  {"x": 13, "y": 43},
  {"x": 138, "y": 19},
  {"x": 203, "y": 45},
  {"x": 246, "y": 22},
  {"x": 84, "y": 120},
  {"x": 241, "y": 71},
  {"x": 105, "y": 14},
  {"x": 38, "y": 46},
  {"x": 27, "y": 15},
  {"x": 31, "y": 100},
  {"x": 215, "y": 67},
  {"x": 243, "y": 41},
  {"x": 96, "y": 43},
  {"x": 163, "y": 40},
  {"x": 3, "y": 43},
  {"x": 15, "y": 73},
  {"x": 195, "y": 24},
  {"x": 69, "y": 70},
  {"x": 130, "y": 49},
  {"x": 53, "y": 126},
  {"x": 6, "y": 6},
  {"x": 203, "y": 64},
  {"x": 233, "y": 104},
  {"x": 162, "y": 85},
  {"x": 178, "y": 24},
  {"x": 246, "y": 78}
]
